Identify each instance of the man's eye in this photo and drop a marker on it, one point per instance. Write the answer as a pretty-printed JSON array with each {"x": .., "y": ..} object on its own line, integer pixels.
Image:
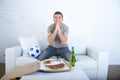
[{"x": 57, "y": 17}]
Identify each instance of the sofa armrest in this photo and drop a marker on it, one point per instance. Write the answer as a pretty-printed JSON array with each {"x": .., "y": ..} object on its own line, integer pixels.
[
  {"x": 10, "y": 57},
  {"x": 102, "y": 62}
]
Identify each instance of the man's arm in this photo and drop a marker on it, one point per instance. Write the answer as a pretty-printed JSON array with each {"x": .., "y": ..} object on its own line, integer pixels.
[
  {"x": 51, "y": 36},
  {"x": 63, "y": 38}
]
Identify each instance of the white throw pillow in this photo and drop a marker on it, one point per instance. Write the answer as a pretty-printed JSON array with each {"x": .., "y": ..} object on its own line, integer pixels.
[{"x": 26, "y": 43}]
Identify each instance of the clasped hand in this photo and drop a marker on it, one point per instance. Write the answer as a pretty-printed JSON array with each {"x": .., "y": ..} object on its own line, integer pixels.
[{"x": 58, "y": 27}]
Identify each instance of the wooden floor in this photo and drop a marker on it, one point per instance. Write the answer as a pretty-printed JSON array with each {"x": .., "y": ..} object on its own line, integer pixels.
[
  {"x": 2, "y": 69},
  {"x": 113, "y": 71}
]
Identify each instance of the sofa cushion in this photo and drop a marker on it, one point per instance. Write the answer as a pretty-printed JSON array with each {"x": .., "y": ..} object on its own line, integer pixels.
[
  {"x": 26, "y": 43},
  {"x": 85, "y": 62},
  {"x": 24, "y": 60}
]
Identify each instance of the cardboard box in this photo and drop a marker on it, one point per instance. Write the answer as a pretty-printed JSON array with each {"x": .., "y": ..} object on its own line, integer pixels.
[
  {"x": 21, "y": 70},
  {"x": 33, "y": 67}
]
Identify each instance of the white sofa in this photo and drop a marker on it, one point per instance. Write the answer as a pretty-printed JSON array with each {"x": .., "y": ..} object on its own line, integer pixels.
[{"x": 94, "y": 63}]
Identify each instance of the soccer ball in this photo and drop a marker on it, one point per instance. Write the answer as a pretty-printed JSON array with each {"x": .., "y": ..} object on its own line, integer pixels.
[{"x": 34, "y": 51}]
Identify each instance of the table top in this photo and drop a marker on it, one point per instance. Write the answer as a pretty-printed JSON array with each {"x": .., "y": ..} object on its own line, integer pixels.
[{"x": 75, "y": 73}]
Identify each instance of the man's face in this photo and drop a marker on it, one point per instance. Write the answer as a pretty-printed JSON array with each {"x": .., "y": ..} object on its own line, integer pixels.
[{"x": 57, "y": 18}]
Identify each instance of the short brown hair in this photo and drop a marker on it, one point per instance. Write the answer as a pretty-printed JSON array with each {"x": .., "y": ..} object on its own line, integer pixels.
[{"x": 58, "y": 12}]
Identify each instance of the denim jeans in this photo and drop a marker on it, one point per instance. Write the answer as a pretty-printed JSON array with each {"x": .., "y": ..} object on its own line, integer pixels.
[{"x": 51, "y": 51}]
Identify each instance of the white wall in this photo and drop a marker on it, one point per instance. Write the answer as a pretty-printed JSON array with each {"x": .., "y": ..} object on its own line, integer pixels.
[{"x": 91, "y": 22}]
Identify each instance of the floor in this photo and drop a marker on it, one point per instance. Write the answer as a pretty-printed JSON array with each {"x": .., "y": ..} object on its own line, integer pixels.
[
  {"x": 2, "y": 69},
  {"x": 113, "y": 71}
]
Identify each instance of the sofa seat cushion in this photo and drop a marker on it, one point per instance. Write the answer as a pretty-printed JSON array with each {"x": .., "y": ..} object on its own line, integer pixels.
[
  {"x": 24, "y": 60},
  {"x": 85, "y": 62}
]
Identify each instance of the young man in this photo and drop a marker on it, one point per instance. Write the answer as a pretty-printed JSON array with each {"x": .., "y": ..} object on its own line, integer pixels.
[{"x": 57, "y": 37}]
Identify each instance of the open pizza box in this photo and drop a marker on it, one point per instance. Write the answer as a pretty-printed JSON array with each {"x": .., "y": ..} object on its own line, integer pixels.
[
  {"x": 49, "y": 65},
  {"x": 53, "y": 65}
]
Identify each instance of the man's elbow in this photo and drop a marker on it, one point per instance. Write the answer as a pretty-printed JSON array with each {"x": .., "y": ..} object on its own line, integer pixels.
[
  {"x": 64, "y": 42},
  {"x": 50, "y": 41}
]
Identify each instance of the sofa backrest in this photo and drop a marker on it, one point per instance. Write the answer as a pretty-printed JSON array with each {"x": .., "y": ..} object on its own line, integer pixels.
[{"x": 78, "y": 43}]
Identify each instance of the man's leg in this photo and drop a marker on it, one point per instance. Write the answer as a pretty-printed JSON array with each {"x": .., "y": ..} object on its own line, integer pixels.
[
  {"x": 65, "y": 53},
  {"x": 48, "y": 52}
]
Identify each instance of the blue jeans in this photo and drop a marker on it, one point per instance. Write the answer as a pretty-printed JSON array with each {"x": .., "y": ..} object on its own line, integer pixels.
[{"x": 51, "y": 51}]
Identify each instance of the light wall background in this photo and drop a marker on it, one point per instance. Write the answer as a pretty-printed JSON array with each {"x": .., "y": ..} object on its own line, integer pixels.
[{"x": 92, "y": 22}]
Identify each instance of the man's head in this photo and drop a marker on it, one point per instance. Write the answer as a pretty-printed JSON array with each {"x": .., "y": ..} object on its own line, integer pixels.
[{"x": 58, "y": 17}]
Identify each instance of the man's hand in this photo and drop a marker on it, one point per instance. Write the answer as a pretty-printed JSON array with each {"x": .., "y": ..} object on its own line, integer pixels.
[
  {"x": 63, "y": 38},
  {"x": 51, "y": 36},
  {"x": 58, "y": 27}
]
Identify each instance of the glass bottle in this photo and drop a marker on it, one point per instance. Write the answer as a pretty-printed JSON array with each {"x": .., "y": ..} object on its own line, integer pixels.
[{"x": 72, "y": 58}]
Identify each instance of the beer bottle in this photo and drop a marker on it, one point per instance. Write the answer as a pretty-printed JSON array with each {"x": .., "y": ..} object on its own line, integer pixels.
[{"x": 72, "y": 58}]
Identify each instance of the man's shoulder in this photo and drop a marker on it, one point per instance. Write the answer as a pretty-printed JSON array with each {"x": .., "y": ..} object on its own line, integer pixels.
[
  {"x": 51, "y": 25},
  {"x": 65, "y": 26}
]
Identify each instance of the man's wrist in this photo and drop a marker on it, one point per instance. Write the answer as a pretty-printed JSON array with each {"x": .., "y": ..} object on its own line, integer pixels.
[
  {"x": 55, "y": 32},
  {"x": 59, "y": 31}
]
